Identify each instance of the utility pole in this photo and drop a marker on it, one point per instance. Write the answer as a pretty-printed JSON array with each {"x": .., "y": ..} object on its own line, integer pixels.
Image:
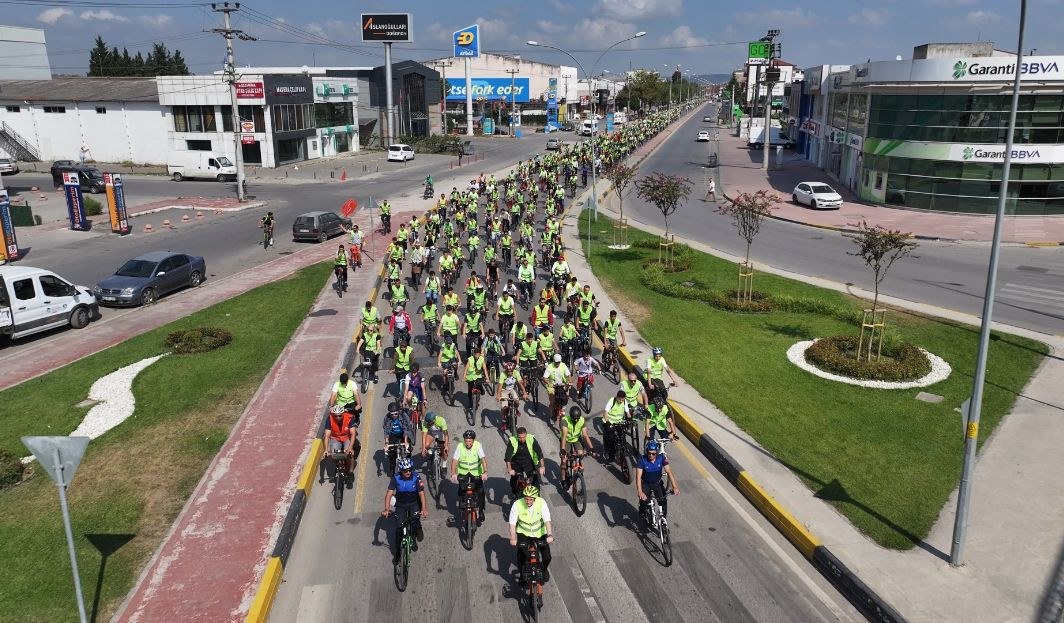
[
  {"x": 230, "y": 76},
  {"x": 513, "y": 99},
  {"x": 443, "y": 65},
  {"x": 766, "y": 139},
  {"x": 468, "y": 97},
  {"x": 389, "y": 107}
]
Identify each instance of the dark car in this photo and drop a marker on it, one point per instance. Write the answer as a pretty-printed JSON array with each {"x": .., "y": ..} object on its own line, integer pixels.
[
  {"x": 145, "y": 278},
  {"x": 91, "y": 177},
  {"x": 318, "y": 226},
  {"x": 567, "y": 127}
]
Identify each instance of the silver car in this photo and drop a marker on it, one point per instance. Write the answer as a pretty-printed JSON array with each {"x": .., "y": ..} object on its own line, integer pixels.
[
  {"x": 554, "y": 143},
  {"x": 8, "y": 166}
]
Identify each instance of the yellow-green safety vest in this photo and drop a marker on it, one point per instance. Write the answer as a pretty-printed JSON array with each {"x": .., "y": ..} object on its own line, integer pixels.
[
  {"x": 474, "y": 367},
  {"x": 529, "y": 438},
  {"x": 574, "y": 429},
  {"x": 530, "y": 518},
  {"x": 615, "y": 411},
  {"x": 655, "y": 368},
  {"x": 402, "y": 357},
  {"x": 469, "y": 460}
]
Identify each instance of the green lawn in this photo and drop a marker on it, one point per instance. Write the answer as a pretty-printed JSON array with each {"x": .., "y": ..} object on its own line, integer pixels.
[
  {"x": 135, "y": 478},
  {"x": 885, "y": 460}
]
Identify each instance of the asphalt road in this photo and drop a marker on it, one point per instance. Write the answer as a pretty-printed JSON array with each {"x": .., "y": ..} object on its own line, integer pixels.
[
  {"x": 730, "y": 565},
  {"x": 1030, "y": 290}
]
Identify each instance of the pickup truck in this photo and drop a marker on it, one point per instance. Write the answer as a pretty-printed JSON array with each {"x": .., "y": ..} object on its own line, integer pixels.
[{"x": 33, "y": 300}]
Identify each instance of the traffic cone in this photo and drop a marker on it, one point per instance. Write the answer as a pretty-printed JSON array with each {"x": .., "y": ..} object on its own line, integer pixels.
[{"x": 343, "y": 176}]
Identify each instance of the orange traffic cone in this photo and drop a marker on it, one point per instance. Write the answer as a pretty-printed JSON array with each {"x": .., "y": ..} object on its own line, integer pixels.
[{"x": 343, "y": 176}]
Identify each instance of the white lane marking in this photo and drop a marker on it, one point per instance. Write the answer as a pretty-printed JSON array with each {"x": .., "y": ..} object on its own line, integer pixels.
[
  {"x": 585, "y": 592},
  {"x": 315, "y": 603}
]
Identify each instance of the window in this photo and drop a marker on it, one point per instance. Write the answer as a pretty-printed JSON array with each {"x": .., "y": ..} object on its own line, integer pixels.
[
  {"x": 101, "y": 110},
  {"x": 14, "y": 109},
  {"x": 329, "y": 115},
  {"x": 54, "y": 286},
  {"x": 24, "y": 290},
  {"x": 165, "y": 265},
  {"x": 179, "y": 260},
  {"x": 55, "y": 109},
  {"x": 198, "y": 145},
  {"x": 879, "y": 180},
  {"x": 194, "y": 119},
  {"x": 293, "y": 117}
]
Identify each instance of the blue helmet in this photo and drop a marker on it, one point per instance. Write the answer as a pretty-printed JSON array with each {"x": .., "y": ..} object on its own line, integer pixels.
[
  {"x": 430, "y": 417},
  {"x": 404, "y": 464},
  {"x": 653, "y": 446}
]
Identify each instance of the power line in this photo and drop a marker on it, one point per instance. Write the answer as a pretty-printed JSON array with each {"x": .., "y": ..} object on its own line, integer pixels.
[{"x": 110, "y": 5}]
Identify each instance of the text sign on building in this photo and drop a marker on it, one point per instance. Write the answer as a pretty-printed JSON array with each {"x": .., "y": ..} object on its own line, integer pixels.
[
  {"x": 758, "y": 53},
  {"x": 467, "y": 42},
  {"x": 387, "y": 27},
  {"x": 75, "y": 202},
  {"x": 249, "y": 90},
  {"x": 960, "y": 70},
  {"x": 491, "y": 89},
  {"x": 116, "y": 203},
  {"x": 8, "y": 242},
  {"x": 247, "y": 139}
]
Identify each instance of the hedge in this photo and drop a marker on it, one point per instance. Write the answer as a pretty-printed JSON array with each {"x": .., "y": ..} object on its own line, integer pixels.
[
  {"x": 903, "y": 361},
  {"x": 198, "y": 340}
]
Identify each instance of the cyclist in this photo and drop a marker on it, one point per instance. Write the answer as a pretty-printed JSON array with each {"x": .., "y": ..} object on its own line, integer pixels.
[
  {"x": 399, "y": 325},
  {"x": 634, "y": 394},
  {"x": 473, "y": 330},
  {"x": 556, "y": 376},
  {"x": 354, "y": 243},
  {"x": 585, "y": 320},
  {"x": 434, "y": 429},
  {"x": 524, "y": 458},
  {"x": 415, "y": 394},
  {"x": 369, "y": 344},
  {"x": 659, "y": 420},
  {"x": 656, "y": 368},
  {"x": 585, "y": 370},
  {"x": 504, "y": 311},
  {"x": 340, "y": 433},
  {"x": 430, "y": 315},
  {"x": 542, "y": 316},
  {"x": 429, "y": 187},
  {"x": 567, "y": 338},
  {"x": 450, "y": 297},
  {"x": 432, "y": 287},
  {"x": 397, "y": 293},
  {"x": 560, "y": 269},
  {"x": 447, "y": 264},
  {"x": 480, "y": 298},
  {"x": 494, "y": 350},
  {"x": 418, "y": 256},
  {"x": 528, "y": 353},
  {"x": 370, "y": 316},
  {"x": 449, "y": 324},
  {"x": 613, "y": 330},
  {"x": 526, "y": 278},
  {"x": 345, "y": 394},
  {"x": 506, "y": 390},
  {"x": 408, "y": 491},
  {"x": 404, "y": 354},
  {"x": 469, "y": 463},
  {"x": 507, "y": 244},
  {"x": 546, "y": 344},
  {"x": 340, "y": 266},
  {"x": 614, "y": 417},
  {"x": 267, "y": 223},
  {"x": 475, "y": 371},
  {"x": 530, "y": 522},
  {"x": 574, "y": 435},
  {"x": 384, "y": 209},
  {"x": 648, "y": 478},
  {"x": 448, "y": 358},
  {"x": 397, "y": 428}
]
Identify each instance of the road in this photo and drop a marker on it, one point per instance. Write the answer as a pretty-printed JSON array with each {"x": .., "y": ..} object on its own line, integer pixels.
[
  {"x": 730, "y": 565},
  {"x": 951, "y": 275}
]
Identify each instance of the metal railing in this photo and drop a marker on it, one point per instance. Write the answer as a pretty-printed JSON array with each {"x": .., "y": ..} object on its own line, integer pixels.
[{"x": 23, "y": 150}]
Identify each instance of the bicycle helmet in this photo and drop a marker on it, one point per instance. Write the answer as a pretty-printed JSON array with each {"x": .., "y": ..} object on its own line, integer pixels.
[
  {"x": 404, "y": 465},
  {"x": 557, "y": 358},
  {"x": 656, "y": 351},
  {"x": 398, "y": 308},
  {"x": 509, "y": 366},
  {"x": 448, "y": 339},
  {"x": 430, "y": 417},
  {"x": 336, "y": 409},
  {"x": 653, "y": 446},
  {"x": 469, "y": 434},
  {"x": 393, "y": 408},
  {"x": 531, "y": 491}
]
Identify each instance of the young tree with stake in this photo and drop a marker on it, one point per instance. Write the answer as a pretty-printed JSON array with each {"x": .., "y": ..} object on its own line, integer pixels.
[
  {"x": 664, "y": 191},
  {"x": 879, "y": 247}
]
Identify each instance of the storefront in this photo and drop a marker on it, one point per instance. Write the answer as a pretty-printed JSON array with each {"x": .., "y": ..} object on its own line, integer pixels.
[
  {"x": 290, "y": 100},
  {"x": 334, "y": 115}
]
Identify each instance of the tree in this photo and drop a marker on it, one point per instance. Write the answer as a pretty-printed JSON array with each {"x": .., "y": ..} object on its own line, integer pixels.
[
  {"x": 666, "y": 192},
  {"x": 748, "y": 212},
  {"x": 99, "y": 57},
  {"x": 105, "y": 62},
  {"x": 879, "y": 247},
  {"x": 620, "y": 175}
]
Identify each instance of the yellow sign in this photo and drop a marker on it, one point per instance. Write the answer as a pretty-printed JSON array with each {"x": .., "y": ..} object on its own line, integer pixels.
[
  {"x": 561, "y": 112},
  {"x": 973, "y": 430},
  {"x": 464, "y": 38}
]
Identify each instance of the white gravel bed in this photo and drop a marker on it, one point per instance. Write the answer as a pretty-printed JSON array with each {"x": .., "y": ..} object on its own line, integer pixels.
[{"x": 940, "y": 370}]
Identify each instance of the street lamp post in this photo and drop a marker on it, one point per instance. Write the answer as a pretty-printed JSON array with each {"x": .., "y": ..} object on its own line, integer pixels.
[{"x": 594, "y": 138}]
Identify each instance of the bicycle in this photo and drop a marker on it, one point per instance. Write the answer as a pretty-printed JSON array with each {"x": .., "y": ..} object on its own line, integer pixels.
[
  {"x": 655, "y": 520},
  {"x": 386, "y": 224},
  {"x": 614, "y": 449},
  {"x": 267, "y": 236},
  {"x": 474, "y": 405},
  {"x": 449, "y": 370},
  {"x": 433, "y": 469},
  {"x": 430, "y": 337},
  {"x": 469, "y": 504},
  {"x": 365, "y": 372},
  {"x": 510, "y": 415},
  {"x": 609, "y": 362},
  {"x": 585, "y": 384},
  {"x": 574, "y": 467},
  {"x": 530, "y": 371},
  {"x": 406, "y": 550},
  {"x": 342, "y": 477},
  {"x": 533, "y": 574},
  {"x": 340, "y": 271},
  {"x": 394, "y": 452}
]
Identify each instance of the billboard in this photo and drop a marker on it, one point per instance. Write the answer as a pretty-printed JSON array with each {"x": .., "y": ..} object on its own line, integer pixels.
[
  {"x": 8, "y": 242},
  {"x": 467, "y": 42},
  {"x": 75, "y": 202},
  {"x": 758, "y": 52},
  {"x": 552, "y": 101},
  {"x": 249, "y": 90},
  {"x": 489, "y": 89},
  {"x": 387, "y": 27},
  {"x": 116, "y": 203}
]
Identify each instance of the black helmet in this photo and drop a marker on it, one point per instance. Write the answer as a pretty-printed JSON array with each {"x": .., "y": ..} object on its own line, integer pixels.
[
  {"x": 393, "y": 408},
  {"x": 469, "y": 434}
]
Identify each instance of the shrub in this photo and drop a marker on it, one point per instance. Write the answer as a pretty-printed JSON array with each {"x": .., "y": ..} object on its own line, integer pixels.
[
  {"x": 900, "y": 362},
  {"x": 434, "y": 143},
  {"x": 11, "y": 469},
  {"x": 92, "y": 207},
  {"x": 198, "y": 340}
]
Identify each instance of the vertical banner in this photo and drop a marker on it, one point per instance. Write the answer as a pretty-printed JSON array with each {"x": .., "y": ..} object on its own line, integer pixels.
[
  {"x": 9, "y": 246},
  {"x": 552, "y": 102},
  {"x": 75, "y": 202},
  {"x": 116, "y": 203}
]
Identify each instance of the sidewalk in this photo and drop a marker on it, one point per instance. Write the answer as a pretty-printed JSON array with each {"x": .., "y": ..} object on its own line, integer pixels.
[
  {"x": 1016, "y": 532},
  {"x": 740, "y": 171}
]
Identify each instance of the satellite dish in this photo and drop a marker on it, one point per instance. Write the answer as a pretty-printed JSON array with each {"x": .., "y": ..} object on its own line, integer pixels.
[{"x": 898, "y": 57}]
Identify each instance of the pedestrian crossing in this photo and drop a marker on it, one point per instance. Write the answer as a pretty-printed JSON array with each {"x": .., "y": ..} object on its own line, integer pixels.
[{"x": 1040, "y": 290}]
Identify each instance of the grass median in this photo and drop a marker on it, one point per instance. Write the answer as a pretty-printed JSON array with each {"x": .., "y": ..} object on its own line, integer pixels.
[
  {"x": 885, "y": 460},
  {"x": 134, "y": 479}
]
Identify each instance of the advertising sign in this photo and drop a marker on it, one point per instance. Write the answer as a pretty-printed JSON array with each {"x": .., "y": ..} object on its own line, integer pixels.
[
  {"x": 758, "y": 52},
  {"x": 489, "y": 89},
  {"x": 249, "y": 139},
  {"x": 8, "y": 242},
  {"x": 249, "y": 90},
  {"x": 247, "y": 126},
  {"x": 964, "y": 152},
  {"x": 967, "y": 69},
  {"x": 386, "y": 27},
  {"x": 467, "y": 42},
  {"x": 552, "y": 101},
  {"x": 116, "y": 203},
  {"x": 609, "y": 122},
  {"x": 489, "y": 125},
  {"x": 75, "y": 202}
]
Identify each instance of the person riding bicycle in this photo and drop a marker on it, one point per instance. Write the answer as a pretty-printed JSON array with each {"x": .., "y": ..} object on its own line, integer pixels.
[
  {"x": 408, "y": 491},
  {"x": 415, "y": 395},
  {"x": 556, "y": 376},
  {"x": 399, "y": 325},
  {"x": 660, "y": 421},
  {"x": 448, "y": 358},
  {"x": 526, "y": 279},
  {"x": 369, "y": 344},
  {"x": 650, "y": 468},
  {"x": 560, "y": 269},
  {"x": 430, "y": 315},
  {"x": 494, "y": 350},
  {"x": 469, "y": 464},
  {"x": 370, "y": 316},
  {"x": 429, "y": 186},
  {"x": 574, "y": 438},
  {"x": 530, "y": 523},
  {"x": 450, "y": 297},
  {"x": 340, "y": 266},
  {"x": 524, "y": 459},
  {"x": 449, "y": 324},
  {"x": 432, "y": 287},
  {"x": 656, "y": 368},
  {"x": 613, "y": 331},
  {"x": 473, "y": 330},
  {"x": 504, "y": 311},
  {"x": 567, "y": 338},
  {"x": 510, "y": 388},
  {"x": 397, "y": 428},
  {"x": 542, "y": 316},
  {"x": 384, "y": 209},
  {"x": 585, "y": 320},
  {"x": 340, "y": 433},
  {"x": 354, "y": 243},
  {"x": 614, "y": 418},
  {"x": 404, "y": 354},
  {"x": 266, "y": 223},
  {"x": 585, "y": 367},
  {"x": 634, "y": 394},
  {"x": 475, "y": 372},
  {"x": 345, "y": 394},
  {"x": 434, "y": 430}
]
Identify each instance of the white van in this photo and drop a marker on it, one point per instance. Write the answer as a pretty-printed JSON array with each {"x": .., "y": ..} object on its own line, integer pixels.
[
  {"x": 182, "y": 164},
  {"x": 34, "y": 300},
  {"x": 589, "y": 127}
]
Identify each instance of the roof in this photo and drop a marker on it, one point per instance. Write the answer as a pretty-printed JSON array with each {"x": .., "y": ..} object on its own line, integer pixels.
[
  {"x": 155, "y": 256},
  {"x": 81, "y": 89},
  {"x": 18, "y": 272}
]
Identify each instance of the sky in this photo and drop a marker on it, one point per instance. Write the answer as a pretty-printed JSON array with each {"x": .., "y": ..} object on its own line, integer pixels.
[{"x": 703, "y": 36}]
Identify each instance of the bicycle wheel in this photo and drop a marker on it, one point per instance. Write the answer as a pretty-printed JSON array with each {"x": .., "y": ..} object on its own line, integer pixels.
[
  {"x": 579, "y": 493},
  {"x": 404, "y": 563},
  {"x": 470, "y": 529},
  {"x": 626, "y": 472},
  {"x": 430, "y": 477},
  {"x": 339, "y": 286},
  {"x": 666, "y": 541},
  {"x": 511, "y": 418},
  {"x": 338, "y": 489},
  {"x": 586, "y": 398},
  {"x": 365, "y": 379},
  {"x": 448, "y": 391}
]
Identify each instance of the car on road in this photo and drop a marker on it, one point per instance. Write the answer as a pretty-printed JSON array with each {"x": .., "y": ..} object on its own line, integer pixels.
[
  {"x": 91, "y": 178},
  {"x": 183, "y": 165},
  {"x": 707, "y": 120},
  {"x": 8, "y": 166},
  {"x": 703, "y": 136},
  {"x": 816, "y": 195},
  {"x": 146, "y": 278},
  {"x": 567, "y": 127},
  {"x": 400, "y": 152},
  {"x": 318, "y": 226},
  {"x": 33, "y": 300},
  {"x": 554, "y": 143}
]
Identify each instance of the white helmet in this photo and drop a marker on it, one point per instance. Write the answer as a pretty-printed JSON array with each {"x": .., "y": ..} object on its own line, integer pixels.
[{"x": 557, "y": 358}]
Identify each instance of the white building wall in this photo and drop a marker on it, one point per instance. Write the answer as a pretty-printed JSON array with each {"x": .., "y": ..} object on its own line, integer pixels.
[{"x": 25, "y": 53}]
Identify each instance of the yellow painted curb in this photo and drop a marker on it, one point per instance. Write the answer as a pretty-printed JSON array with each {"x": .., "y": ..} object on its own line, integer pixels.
[
  {"x": 271, "y": 580},
  {"x": 310, "y": 468},
  {"x": 686, "y": 424},
  {"x": 1042, "y": 244},
  {"x": 626, "y": 360},
  {"x": 784, "y": 521}
]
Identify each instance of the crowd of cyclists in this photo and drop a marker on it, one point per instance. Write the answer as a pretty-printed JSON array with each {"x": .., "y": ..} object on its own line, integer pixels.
[{"x": 485, "y": 272}]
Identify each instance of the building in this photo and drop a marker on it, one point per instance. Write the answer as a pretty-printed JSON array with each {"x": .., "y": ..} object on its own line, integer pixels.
[
  {"x": 25, "y": 54},
  {"x": 928, "y": 133}
]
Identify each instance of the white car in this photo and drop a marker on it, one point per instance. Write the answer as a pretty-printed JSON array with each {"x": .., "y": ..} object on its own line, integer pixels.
[
  {"x": 703, "y": 136},
  {"x": 400, "y": 152},
  {"x": 816, "y": 195},
  {"x": 707, "y": 120},
  {"x": 8, "y": 166}
]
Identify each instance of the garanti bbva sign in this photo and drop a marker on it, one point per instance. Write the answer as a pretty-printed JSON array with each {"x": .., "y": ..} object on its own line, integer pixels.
[
  {"x": 387, "y": 27},
  {"x": 964, "y": 69},
  {"x": 960, "y": 70}
]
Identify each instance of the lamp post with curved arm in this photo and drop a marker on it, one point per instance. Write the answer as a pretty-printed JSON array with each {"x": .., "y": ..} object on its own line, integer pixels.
[{"x": 594, "y": 136}]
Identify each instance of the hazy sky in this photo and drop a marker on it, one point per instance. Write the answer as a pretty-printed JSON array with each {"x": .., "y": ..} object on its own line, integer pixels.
[{"x": 707, "y": 36}]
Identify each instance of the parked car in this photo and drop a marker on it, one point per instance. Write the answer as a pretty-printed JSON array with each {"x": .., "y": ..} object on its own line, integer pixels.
[
  {"x": 145, "y": 278},
  {"x": 567, "y": 127},
  {"x": 468, "y": 149},
  {"x": 91, "y": 178},
  {"x": 318, "y": 226},
  {"x": 201, "y": 164},
  {"x": 703, "y": 136},
  {"x": 34, "y": 300},
  {"x": 8, "y": 166},
  {"x": 554, "y": 143},
  {"x": 400, "y": 152},
  {"x": 816, "y": 195}
]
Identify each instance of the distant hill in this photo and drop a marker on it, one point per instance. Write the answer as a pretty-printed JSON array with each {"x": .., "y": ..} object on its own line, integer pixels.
[{"x": 715, "y": 78}]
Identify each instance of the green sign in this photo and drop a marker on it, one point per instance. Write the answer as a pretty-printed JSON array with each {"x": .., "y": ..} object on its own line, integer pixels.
[{"x": 759, "y": 49}]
